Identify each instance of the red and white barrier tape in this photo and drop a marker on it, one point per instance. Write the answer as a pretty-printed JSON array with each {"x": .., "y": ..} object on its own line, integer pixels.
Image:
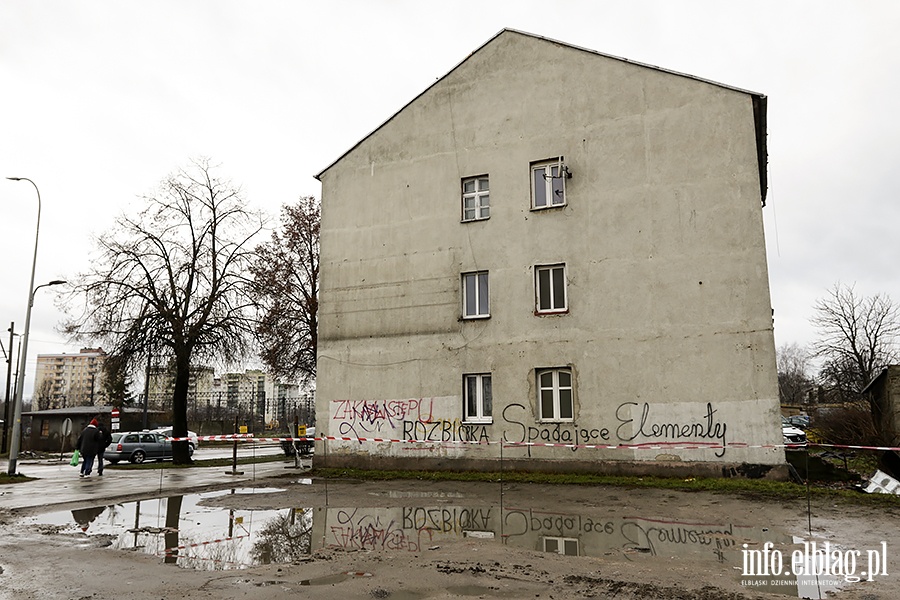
[
  {"x": 249, "y": 437},
  {"x": 173, "y": 549}
]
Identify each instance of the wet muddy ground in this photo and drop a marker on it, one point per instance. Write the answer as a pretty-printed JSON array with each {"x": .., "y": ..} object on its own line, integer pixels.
[{"x": 290, "y": 536}]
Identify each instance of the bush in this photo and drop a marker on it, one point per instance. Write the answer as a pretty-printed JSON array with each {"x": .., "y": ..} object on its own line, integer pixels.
[{"x": 850, "y": 424}]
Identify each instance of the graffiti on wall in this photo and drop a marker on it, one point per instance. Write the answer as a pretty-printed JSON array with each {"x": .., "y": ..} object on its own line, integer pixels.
[
  {"x": 444, "y": 430},
  {"x": 362, "y": 418},
  {"x": 651, "y": 428},
  {"x": 520, "y": 432},
  {"x": 433, "y": 420},
  {"x": 413, "y": 528}
]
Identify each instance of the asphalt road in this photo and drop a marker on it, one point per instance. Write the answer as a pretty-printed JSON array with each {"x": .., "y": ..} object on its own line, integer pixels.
[{"x": 58, "y": 483}]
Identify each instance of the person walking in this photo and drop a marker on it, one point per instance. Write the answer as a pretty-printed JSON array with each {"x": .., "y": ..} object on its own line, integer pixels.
[
  {"x": 88, "y": 444},
  {"x": 105, "y": 441}
]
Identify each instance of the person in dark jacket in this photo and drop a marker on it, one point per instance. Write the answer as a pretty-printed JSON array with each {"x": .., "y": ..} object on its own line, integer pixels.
[
  {"x": 89, "y": 443},
  {"x": 105, "y": 441}
]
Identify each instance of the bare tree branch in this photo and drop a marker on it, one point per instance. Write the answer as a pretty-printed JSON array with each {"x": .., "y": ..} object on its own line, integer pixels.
[{"x": 857, "y": 339}]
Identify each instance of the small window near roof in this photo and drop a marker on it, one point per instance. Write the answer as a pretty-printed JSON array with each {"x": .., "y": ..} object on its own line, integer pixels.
[{"x": 548, "y": 183}]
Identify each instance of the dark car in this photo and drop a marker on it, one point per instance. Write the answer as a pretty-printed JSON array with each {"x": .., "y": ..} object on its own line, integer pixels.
[
  {"x": 306, "y": 445},
  {"x": 138, "y": 446},
  {"x": 801, "y": 421}
]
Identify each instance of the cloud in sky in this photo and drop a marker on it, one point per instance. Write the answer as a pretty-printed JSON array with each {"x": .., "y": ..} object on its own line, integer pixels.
[{"x": 101, "y": 100}]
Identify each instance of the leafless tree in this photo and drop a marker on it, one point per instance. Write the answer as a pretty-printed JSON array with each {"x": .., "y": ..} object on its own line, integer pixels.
[
  {"x": 857, "y": 339},
  {"x": 170, "y": 282},
  {"x": 794, "y": 379},
  {"x": 286, "y": 275}
]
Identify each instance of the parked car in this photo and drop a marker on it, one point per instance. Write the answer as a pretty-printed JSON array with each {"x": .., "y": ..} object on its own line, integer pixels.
[
  {"x": 801, "y": 421},
  {"x": 791, "y": 434},
  {"x": 138, "y": 446},
  {"x": 305, "y": 446},
  {"x": 193, "y": 440}
]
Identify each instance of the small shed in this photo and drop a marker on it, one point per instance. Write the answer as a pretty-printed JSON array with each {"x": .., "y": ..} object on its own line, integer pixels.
[
  {"x": 47, "y": 426},
  {"x": 884, "y": 396}
]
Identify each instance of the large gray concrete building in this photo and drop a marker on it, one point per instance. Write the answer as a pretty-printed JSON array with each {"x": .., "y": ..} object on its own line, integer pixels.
[{"x": 550, "y": 245}]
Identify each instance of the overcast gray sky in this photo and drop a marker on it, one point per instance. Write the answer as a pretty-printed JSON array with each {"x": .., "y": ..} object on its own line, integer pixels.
[{"x": 100, "y": 100}]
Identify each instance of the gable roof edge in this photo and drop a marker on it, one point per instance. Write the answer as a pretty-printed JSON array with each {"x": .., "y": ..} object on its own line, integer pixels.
[{"x": 758, "y": 99}]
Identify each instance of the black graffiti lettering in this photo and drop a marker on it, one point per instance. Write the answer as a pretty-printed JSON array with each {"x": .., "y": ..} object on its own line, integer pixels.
[
  {"x": 445, "y": 520},
  {"x": 519, "y": 424},
  {"x": 676, "y": 533},
  {"x": 557, "y": 433},
  {"x": 598, "y": 527},
  {"x": 706, "y": 428},
  {"x": 538, "y": 522},
  {"x": 515, "y": 524},
  {"x": 447, "y": 433},
  {"x": 444, "y": 431}
]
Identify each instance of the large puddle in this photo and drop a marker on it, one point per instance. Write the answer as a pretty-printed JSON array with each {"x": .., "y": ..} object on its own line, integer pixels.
[{"x": 188, "y": 532}]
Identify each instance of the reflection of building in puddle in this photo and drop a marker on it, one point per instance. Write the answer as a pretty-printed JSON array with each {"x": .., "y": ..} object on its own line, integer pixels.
[
  {"x": 413, "y": 529},
  {"x": 186, "y": 532}
]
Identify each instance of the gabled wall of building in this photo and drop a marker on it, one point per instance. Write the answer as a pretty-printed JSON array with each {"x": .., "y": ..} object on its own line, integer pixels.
[{"x": 667, "y": 329}]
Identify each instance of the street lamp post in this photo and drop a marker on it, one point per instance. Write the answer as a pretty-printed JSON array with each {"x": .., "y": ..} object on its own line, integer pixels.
[{"x": 20, "y": 380}]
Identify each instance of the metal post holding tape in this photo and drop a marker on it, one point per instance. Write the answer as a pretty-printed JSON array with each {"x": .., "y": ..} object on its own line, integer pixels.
[
  {"x": 295, "y": 444},
  {"x": 234, "y": 470}
]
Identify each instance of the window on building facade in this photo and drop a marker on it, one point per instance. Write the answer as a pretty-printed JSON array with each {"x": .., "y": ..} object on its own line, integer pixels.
[
  {"x": 548, "y": 184},
  {"x": 555, "y": 401},
  {"x": 477, "y": 398},
  {"x": 550, "y": 288},
  {"x": 561, "y": 545},
  {"x": 45, "y": 428},
  {"x": 476, "y": 199},
  {"x": 475, "y": 295}
]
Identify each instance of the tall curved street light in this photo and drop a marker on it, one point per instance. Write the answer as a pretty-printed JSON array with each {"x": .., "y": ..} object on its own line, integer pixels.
[{"x": 20, "y": 381}]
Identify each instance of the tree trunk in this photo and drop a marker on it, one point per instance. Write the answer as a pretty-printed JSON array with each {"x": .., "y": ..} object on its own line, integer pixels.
[{"x": 180, "y": 451}]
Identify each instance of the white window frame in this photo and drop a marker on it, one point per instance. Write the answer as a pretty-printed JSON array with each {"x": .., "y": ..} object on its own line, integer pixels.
[
  {"x": 548, "y": 181},
  {"x": 561, "y": 396},
  {"x": 557, "y": 275},
  {"x": 480, "y": 412},
  {"x": 562, "y": 545},
  {"x": 479, "y": 198},
  {"x": 480, "y": 307}
]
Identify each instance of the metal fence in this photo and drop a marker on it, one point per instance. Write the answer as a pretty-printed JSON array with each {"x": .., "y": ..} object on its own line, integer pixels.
[{"x": 218, "y": 413}]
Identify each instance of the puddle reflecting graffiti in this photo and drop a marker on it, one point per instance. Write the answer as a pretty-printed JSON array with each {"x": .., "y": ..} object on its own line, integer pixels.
[{"x": 186, "y": 532}]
